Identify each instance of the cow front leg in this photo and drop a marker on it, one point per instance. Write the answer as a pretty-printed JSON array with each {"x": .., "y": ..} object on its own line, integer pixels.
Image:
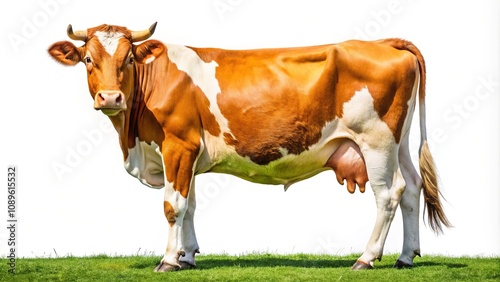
[
  {"x": 388, "y": 186},
  {"x": 190, "y": 244},
  {"x": 179, "y": 163},
  {"x": 175, "y": 207}
]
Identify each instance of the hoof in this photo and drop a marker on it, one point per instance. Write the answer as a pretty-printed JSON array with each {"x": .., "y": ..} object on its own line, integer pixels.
[
  {"x": 399, "y": 265},
  {"x": 166, "y": 267},
  {"x": 186, "y": 265},
  {"x": 417, "y": 253},
  {"x": 359, "y": 265}
]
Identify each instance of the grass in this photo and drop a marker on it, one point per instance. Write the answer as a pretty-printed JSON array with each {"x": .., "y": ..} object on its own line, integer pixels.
[{"x": 254, "y": 267}]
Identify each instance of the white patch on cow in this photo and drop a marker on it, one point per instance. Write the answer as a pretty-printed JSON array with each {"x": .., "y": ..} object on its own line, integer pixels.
[
  {"x": 174, "y": 197},
  {"x": 283, "y": 151},
  {"x": 109, "y": 40},
  {"x": 359, "y": 115},
  {"x": 202, "y": 74},
  {"x": 150, "y": 59},
  {"x": 145, "y": 163},
  {"x": 373, "y": 136}
]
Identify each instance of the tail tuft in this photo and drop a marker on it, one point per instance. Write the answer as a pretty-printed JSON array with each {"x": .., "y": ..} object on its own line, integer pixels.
[{"x": 435, "y": 212}]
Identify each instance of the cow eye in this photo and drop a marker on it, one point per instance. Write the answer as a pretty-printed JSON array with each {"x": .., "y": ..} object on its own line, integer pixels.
[
  {"x": 87, "y": 60},
  {"x": 131, "y": 60}
]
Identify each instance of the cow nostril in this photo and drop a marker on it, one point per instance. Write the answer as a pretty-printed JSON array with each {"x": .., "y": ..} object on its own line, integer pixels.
[
  {"x": 119, "y": 99},
  {"x": 100, "y": 98}
]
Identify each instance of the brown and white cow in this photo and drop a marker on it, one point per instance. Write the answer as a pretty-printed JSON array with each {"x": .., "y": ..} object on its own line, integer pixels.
[{"x": 274, "y": 116}]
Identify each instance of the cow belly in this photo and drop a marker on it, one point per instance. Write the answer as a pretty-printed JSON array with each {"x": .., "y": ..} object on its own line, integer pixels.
[
  {"x": 286, "y": 170},
  {"x": 348, "y": 164},
  {"x": 144, "y": 162}
]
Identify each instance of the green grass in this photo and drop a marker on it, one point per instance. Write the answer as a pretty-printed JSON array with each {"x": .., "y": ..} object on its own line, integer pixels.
[{"x": 255, "y": 267}]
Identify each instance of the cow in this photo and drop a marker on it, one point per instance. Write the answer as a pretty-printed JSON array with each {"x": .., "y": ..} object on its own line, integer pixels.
[{"x": 274, "y": 116}]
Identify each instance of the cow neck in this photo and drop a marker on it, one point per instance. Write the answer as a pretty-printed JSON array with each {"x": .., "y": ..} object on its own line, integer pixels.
[
  {"x": 126, "y": 123},
  {"x": 119, "y": 122},
  {"x": 138, "y": 116},
  {"x": 137, "y": 104}
]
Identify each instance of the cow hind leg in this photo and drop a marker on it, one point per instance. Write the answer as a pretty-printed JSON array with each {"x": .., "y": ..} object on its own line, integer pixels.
[
  {"x": 410, "y": 205},
  {"x": 388, "y": 185}
]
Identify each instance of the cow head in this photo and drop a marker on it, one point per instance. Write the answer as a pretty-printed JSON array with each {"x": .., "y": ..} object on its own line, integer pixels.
[{"x": 109, "y": 56}]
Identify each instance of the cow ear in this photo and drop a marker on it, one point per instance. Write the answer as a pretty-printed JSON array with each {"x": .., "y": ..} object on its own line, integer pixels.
[
  {"x": 65, "y": 53},
  {"x": 148, "y": 51}
]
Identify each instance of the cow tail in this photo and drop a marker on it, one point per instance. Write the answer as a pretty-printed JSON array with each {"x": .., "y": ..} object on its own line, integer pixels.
[{"x": 435, "y": 213}]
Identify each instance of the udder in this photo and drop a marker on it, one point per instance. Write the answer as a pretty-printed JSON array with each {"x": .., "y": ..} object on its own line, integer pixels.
[{"x": 348, "y": 164}]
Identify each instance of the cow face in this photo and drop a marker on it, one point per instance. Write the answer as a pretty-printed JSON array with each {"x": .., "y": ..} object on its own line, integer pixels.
[{"x": 109, "y": 56}]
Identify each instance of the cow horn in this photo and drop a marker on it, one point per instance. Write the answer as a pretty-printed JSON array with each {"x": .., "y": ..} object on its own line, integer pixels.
[
  {"x": 143, "y": 34},
  {"x": 77, "y": 35}
]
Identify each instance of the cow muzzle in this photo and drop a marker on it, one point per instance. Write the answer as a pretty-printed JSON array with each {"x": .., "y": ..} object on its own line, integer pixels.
[{"x": 110, "y": 102}]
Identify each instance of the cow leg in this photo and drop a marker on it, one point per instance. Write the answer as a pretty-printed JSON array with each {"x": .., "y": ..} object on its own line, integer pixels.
[
  {"x": 175, "y": 207},
  {"x": 189, "y": 242},
  {"x": 410, "y": 205},
  {"x": 179, "y": 161},
  {"x": 388, "y": 186}
]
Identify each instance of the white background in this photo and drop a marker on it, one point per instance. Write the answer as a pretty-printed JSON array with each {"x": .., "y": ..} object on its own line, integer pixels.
[{"x": 94, "y": 206}]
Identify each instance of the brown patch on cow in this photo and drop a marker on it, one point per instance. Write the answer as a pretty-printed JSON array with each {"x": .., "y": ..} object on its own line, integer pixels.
[
  {"x": 277, "y": 99},
  {"x": 179, "y": 157},
  {"x": 182, "y": 114},
  {"x": 209, "y": 123},
  {"x": 391, "y": 99},
  {"x": 170, "y": 213},
  {"x": 274, "y": 99},
  {"x": 391, "y": 86}
]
